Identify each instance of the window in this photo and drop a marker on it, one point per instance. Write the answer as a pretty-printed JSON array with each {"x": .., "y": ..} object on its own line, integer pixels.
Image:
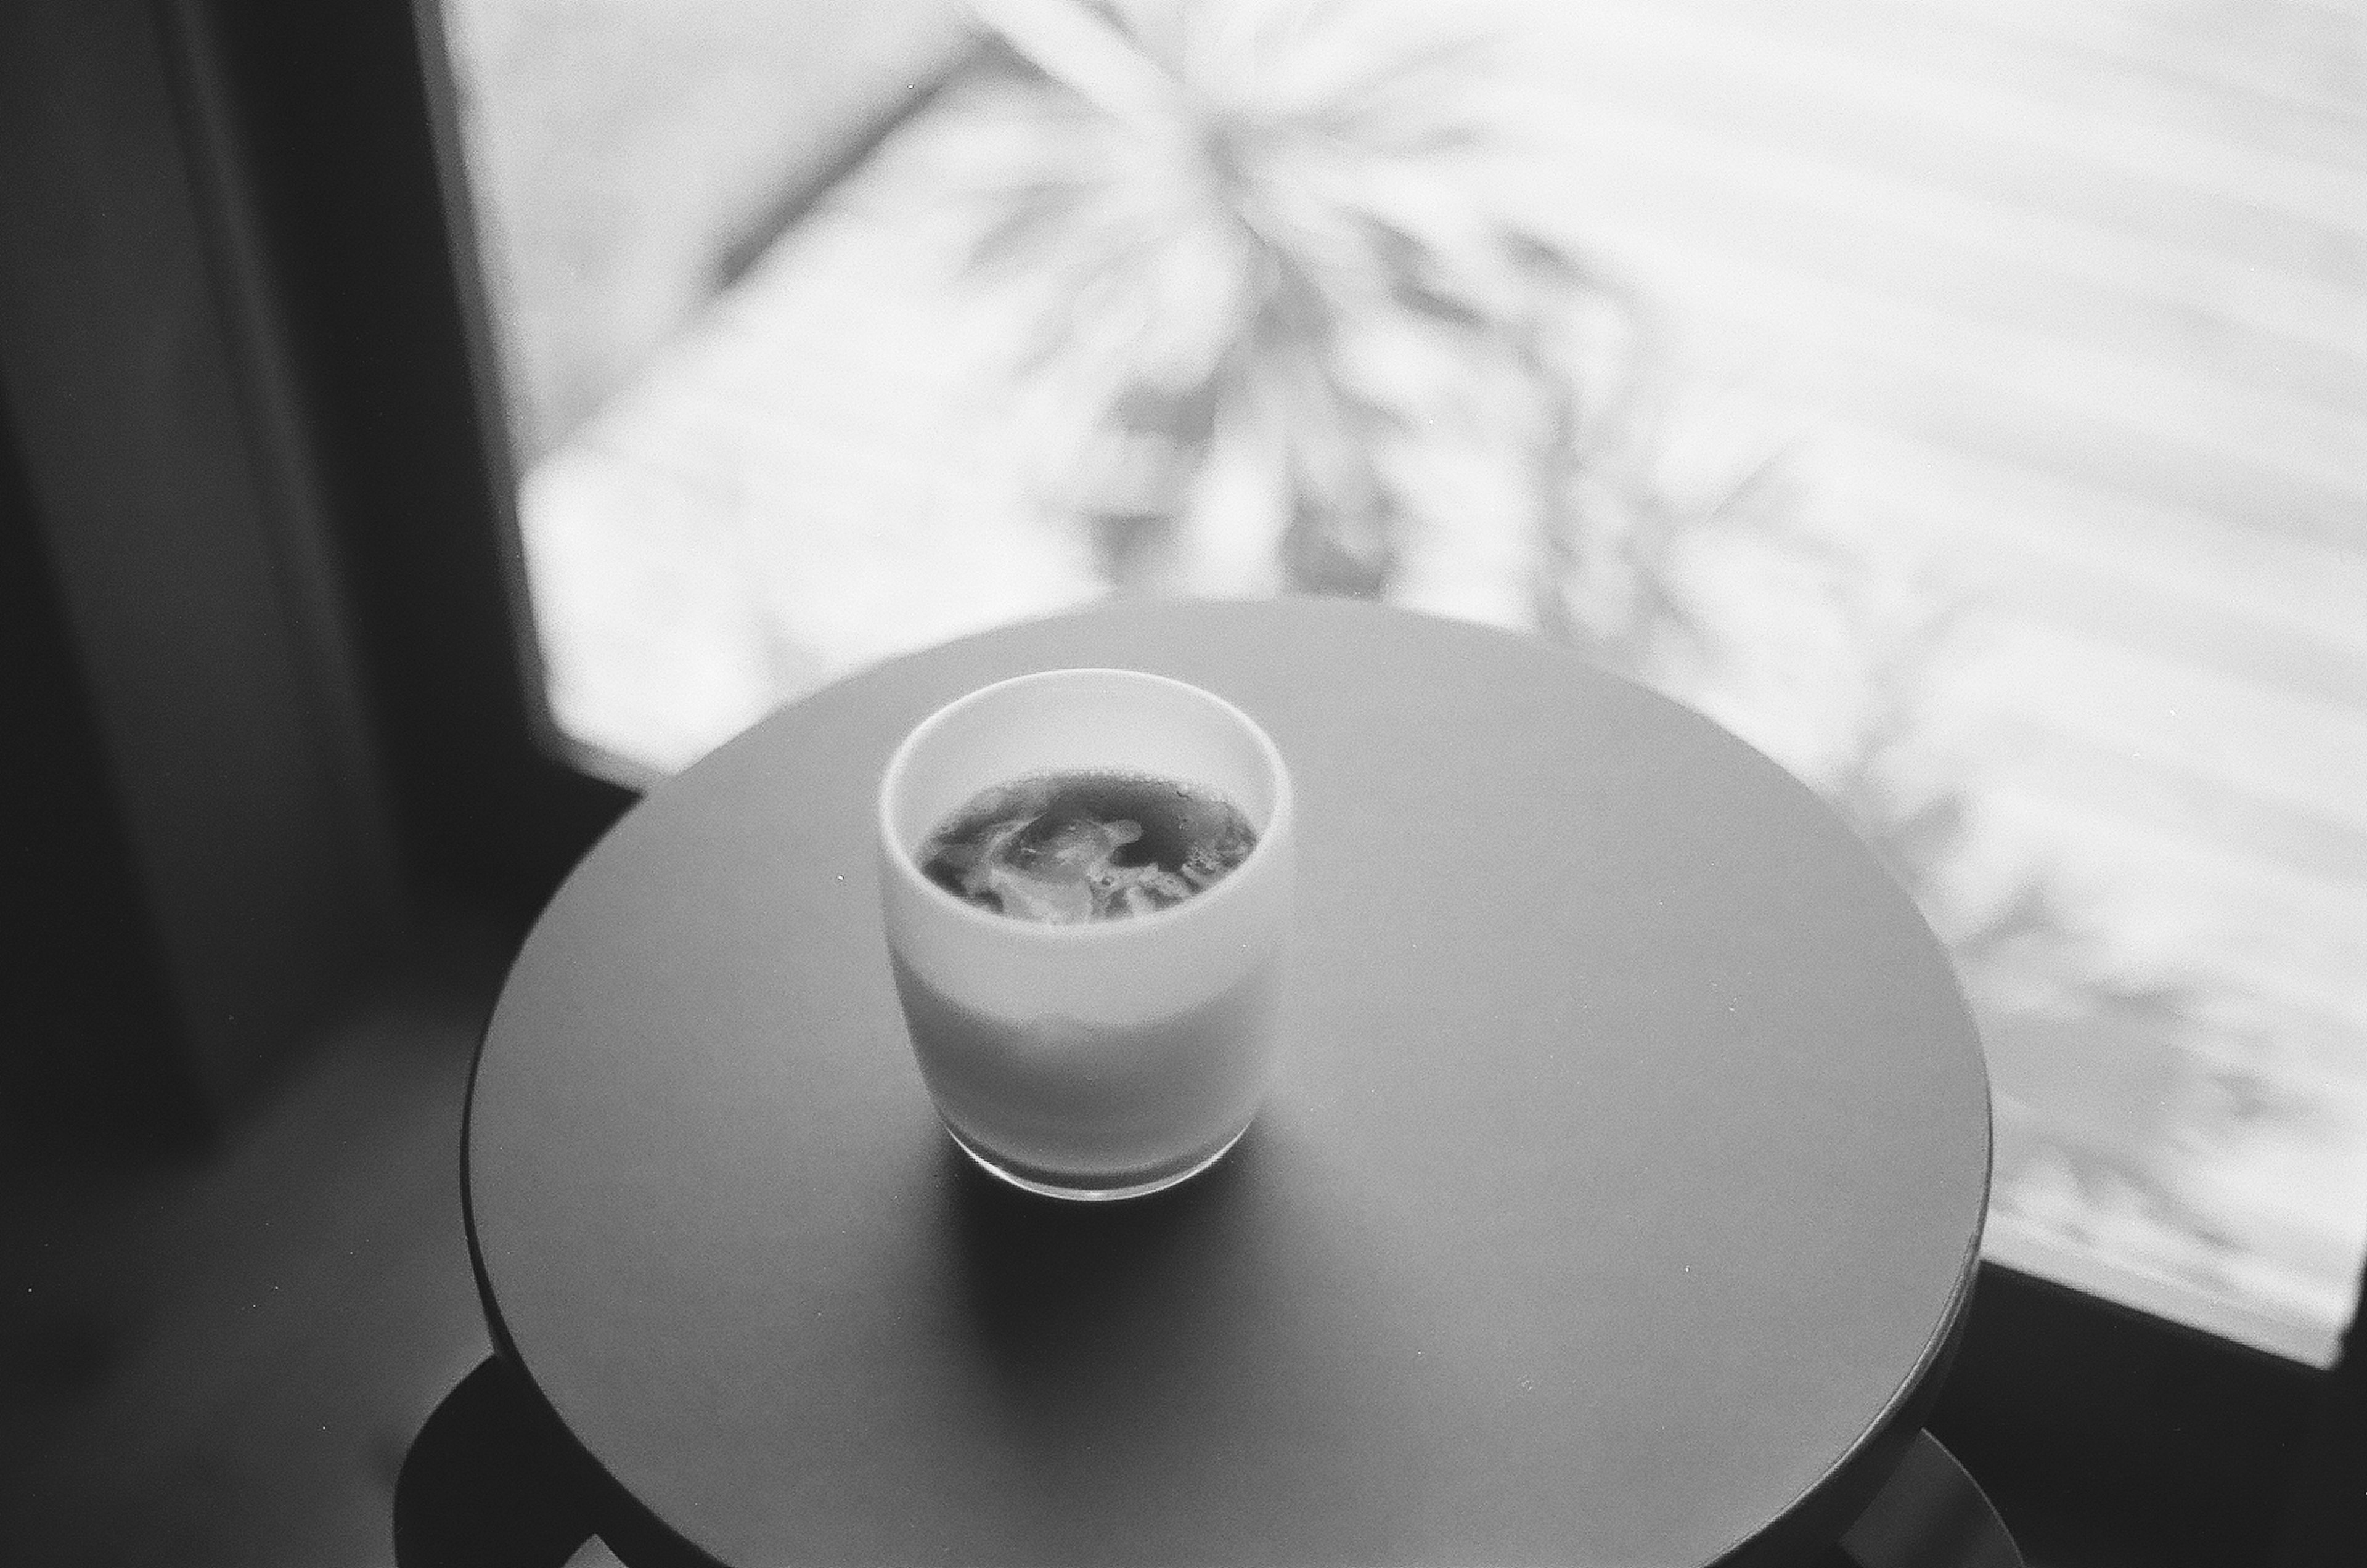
[{"x": 1963, "y": 405}]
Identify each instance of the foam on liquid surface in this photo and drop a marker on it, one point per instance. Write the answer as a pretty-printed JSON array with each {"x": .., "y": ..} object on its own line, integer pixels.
[{"x": 1070, "y": 847}]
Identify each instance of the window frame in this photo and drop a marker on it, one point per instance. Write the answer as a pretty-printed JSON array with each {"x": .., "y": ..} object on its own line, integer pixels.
[{"x": 346, "y": 119}]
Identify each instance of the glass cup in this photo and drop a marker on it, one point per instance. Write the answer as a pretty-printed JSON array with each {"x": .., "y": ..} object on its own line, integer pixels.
[{"x": 1110, "y": 1058}]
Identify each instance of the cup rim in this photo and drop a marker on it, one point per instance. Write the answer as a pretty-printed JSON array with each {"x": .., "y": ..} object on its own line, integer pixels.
[{"x": 1278, "y": 826}]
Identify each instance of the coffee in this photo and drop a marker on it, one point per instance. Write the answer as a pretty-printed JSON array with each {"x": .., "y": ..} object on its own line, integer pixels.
[{"x": 1065, "y": 848}]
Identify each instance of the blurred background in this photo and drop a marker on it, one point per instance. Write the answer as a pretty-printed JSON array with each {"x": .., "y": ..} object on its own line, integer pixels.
[{"x": 1965, "y": 403}]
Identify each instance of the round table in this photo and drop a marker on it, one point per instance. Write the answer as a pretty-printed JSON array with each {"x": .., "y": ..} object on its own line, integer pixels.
[{"x": 1618, "y": 1201}]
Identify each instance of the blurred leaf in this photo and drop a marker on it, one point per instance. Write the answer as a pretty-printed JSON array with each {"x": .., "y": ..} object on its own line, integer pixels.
[
  {"x": 1411, "y": 266},
  {"x": 1434, "y": 140},
  {"x": 1370, "y": 417},
  {"x": 1929, "y": 835},
  {"x": 2031, "y": 913},
  {"x": 1293, "y": 312},
  {"x": 1085, "y": 281},
  {"x": 1399, "y": 250},
  {"x": 1092, "y": 50},
  {"x": 1128, "y": 545},
  {"x": 1428, "y": 70},
  {"x": 1541, "y": 258},
  {"x": 1756, "y": 494},
  {"x": 1332, "y": 549},
  {"x": 1033, "y": 215},
  {"x": 1662, "y": 617},
  {"x": 1183, "y": 415},
  {"x": 1419, "y": 297},
  {"x": 1549, "y": 606},
  {"x": 1402, "y": 127},
  {"x": 2157, "y": 1001}
]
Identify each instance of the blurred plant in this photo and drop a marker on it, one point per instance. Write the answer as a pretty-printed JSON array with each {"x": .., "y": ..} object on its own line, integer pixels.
[
  {"x": 1256, "y": 223},
  {"x": 2029, "y": 961},
  {"x": 1246, "y": 222},
  {"x": 1268, "y": 224}
]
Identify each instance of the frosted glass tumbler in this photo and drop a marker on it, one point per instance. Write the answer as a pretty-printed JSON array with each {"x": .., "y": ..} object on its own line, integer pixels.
[{"x": 1110, "y": 1058}]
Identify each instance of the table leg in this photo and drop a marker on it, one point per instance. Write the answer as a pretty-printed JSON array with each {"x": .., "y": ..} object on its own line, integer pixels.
[
  {"x": 1930, "y": 1514},
  {"x": 487, "y": 1482}
]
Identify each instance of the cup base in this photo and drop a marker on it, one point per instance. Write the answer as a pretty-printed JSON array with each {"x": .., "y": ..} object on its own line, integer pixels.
[{"x": 986, "y": 1163}]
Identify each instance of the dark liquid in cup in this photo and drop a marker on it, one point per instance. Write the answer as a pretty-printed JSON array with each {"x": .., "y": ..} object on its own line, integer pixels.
[{"x": 1070, "y": 847}]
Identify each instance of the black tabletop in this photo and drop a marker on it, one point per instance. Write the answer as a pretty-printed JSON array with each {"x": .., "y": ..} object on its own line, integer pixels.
[{"x": 1614, "y": 1203}]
